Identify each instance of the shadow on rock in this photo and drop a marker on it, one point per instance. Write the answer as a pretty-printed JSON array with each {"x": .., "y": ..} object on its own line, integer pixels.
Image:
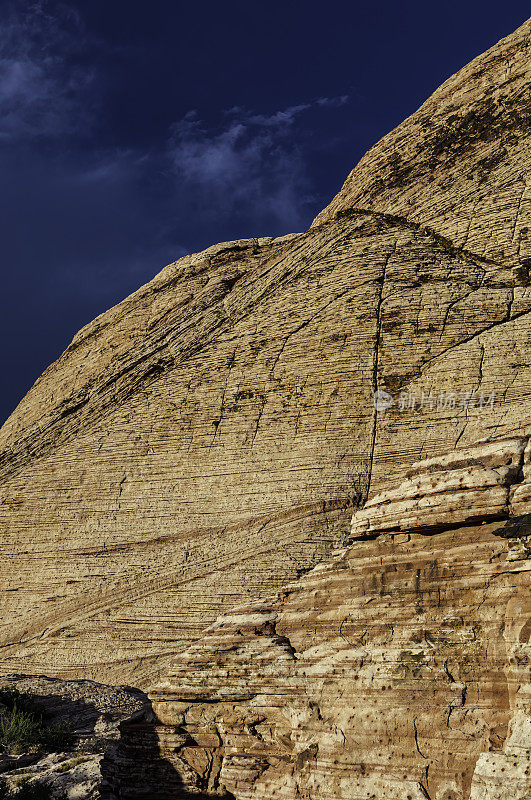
[{"x": 136, "y": 770}]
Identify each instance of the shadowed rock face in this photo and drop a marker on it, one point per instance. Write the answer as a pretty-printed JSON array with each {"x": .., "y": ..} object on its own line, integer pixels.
[
  {"x": 398, "y": 669},
  {"x": 205, "y": 441},
  {"x": 88, "y": 715}
]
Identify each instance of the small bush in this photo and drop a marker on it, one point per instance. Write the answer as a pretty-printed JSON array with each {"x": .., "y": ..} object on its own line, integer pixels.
[{"x": 21, "y": 731}]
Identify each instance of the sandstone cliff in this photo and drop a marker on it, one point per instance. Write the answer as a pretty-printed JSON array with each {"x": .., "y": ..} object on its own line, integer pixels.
[
  {"x": 398, "y": 669},
  {"x": 206, "y": 441}
]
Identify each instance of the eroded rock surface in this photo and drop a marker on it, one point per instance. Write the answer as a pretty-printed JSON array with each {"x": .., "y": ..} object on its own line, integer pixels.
[
  {"x": 206, "y": 440},
  {"x": 466, "y": 485},
  {"x": 398, "y": 669}
]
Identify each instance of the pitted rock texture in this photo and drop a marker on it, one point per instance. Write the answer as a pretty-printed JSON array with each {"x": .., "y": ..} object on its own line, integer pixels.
[
  {"x": 205, "y": 441},
  {"x": 476, "y": 483},
  {"x": 398, "y": 669}
]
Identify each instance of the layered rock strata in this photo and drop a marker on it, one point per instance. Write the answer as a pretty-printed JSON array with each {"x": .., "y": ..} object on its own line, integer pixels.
[
  {"x": 398, "y": 669},
  {"x": 206, "y": 440},
  {"x": 464, "y": 486}
]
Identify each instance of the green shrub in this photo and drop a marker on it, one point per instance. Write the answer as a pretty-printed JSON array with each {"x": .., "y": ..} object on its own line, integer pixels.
[{"x": 21, "y": 731}]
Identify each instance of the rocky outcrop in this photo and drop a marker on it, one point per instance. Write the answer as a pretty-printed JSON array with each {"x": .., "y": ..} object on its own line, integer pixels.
[
  {"x": 398, "y": 669},
  {"x": 205, "y": 441},
  {"x": 85, "y": 716},
  {"x": 464, "y": 486}
]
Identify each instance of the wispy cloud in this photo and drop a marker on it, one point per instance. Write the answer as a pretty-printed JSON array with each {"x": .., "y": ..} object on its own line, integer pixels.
[
  {"x": 43, "y": 92},
  {"x": 247, "y": 173},
  {"x": 254, "y": 162}
]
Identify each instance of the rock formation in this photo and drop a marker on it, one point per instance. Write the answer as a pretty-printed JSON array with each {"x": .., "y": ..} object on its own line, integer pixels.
[
  {"x": 397, "y": 669},
  {"x": 68, "y": 764},
  {"x": 205, "y": 441}
]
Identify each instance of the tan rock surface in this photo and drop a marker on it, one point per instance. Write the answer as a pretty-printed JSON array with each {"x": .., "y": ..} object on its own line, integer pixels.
[
  {"x": 206, "y": 440},
  {"x": 399, "y": 669},
  {"x": 466, "y": 485}
]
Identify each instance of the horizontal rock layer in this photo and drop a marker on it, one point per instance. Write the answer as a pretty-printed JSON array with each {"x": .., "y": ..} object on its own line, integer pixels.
[
  {"x": 466, "y": 485},
  {"x": 399, "y": 669}
]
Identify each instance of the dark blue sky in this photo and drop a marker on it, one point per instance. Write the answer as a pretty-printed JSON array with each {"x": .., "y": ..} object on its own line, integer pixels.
[{"x": 132, "y": 133}]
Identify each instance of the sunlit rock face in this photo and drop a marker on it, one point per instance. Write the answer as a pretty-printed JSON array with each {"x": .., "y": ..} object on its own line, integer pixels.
[
  {"x": 397, "y": 669},
  {"x": 205, "y": 442},
  {"x": 460, "y": 164}
]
